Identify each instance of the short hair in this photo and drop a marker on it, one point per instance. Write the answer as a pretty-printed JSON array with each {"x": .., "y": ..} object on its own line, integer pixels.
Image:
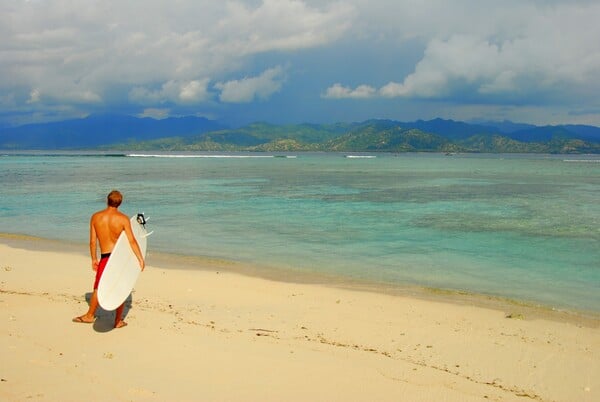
[{"x": 114, "y": 199}]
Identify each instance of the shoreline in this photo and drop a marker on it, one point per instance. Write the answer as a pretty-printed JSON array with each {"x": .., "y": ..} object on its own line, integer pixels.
[
  {"x": 522, "y": 309},
  {"x": 213, "y": 334}
]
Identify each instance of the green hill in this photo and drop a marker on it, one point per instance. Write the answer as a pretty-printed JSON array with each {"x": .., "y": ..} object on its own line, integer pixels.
[
  {"x": 198, "y": 134},
  {"x": 369, "y": 136}
]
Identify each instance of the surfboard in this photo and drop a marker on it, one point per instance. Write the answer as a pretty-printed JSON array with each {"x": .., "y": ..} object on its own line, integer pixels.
[{"x": 122, "y": 269}]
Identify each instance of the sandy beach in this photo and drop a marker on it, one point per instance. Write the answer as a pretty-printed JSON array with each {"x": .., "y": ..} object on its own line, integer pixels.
[{"x": 212, "y": 334}]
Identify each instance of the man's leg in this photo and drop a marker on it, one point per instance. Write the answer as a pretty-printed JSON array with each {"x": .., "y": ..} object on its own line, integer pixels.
[
  {"x": 119, "y": 323},
  {"x": 90, "y": 315}
]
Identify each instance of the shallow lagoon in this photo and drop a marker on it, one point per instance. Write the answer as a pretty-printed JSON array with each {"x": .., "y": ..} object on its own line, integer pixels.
[{"x": 517, "y": 226}]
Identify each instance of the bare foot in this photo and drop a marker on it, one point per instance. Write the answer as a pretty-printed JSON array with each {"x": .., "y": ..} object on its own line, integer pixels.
[{"x": 120, "y": 324}]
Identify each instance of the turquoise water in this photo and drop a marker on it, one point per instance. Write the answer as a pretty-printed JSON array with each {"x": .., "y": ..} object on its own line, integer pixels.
[{"x": 518, "y": 226}]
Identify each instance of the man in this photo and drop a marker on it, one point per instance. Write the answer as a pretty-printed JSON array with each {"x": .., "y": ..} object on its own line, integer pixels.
[{"x": 105, "y": 228}]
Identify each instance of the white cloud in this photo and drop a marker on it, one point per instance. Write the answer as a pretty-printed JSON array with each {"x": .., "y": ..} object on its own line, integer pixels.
[
  {"x": 282, "y": 25},
  {"x": 178, "y": 92},
  {"x": 338, "y": 91},
  {"x": 155, "y": 113},
  {"x": 194, "y": 91},
  {"x": 251, "y": 88},
  {"x": 152, "y": 50},
  {"x": 66, "y": 56},
  {"x": 34, "y": 96},
  {"x": 85, "y": 96},
  {"x": 529, "y": 52},
  {"x": 462, "y": 58}
]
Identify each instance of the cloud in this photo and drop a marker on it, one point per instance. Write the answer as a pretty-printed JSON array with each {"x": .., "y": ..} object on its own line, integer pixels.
[
  {"x": 194, "y": 91},
  {"x": 155, "y": 113},
  {"x": 34, "y": 96},
  {"x": 83, "y": 96},
  {"x": 466, "y": 60},
  {"x": 544, "y": 54},
  {"x": 338, "y": 91},
  {"x": 251, "y": 88},
  {"x": 148, "y": 51},
  {"x": 76, "y": 58},
  {"x": 283, "y": 25},
  {"x": 178, "y": 92}
]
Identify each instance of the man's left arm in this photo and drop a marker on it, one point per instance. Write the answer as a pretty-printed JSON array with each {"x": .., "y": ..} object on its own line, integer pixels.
[{"x": 134, "y": 244}]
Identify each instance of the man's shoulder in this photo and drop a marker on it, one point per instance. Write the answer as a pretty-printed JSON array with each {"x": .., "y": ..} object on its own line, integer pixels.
[
  {"x": 121, "y": 215},
  {"x": 97, "y": 214}
]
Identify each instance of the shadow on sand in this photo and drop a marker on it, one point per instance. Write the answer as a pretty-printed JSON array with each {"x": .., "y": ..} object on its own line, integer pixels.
[{"x": 105, "y": 320}]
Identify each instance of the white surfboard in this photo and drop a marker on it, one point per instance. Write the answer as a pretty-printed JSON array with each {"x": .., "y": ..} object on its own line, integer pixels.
[{"x": 122, "y": 269}]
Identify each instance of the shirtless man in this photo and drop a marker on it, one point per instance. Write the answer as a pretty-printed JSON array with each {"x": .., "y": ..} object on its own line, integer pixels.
[{"x": 105, "y": 228}]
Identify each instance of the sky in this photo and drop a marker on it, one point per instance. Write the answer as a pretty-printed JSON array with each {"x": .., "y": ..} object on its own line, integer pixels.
[{"x": 301, "y": 61}]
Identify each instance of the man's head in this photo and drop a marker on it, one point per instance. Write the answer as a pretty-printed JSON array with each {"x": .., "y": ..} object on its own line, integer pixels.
[{"x": 114, "y": 199}]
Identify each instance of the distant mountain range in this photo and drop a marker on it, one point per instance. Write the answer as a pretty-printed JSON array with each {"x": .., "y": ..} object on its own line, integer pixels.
[
  {"x": 200, "y": 134},
  {"x": 100, "y": 130}
]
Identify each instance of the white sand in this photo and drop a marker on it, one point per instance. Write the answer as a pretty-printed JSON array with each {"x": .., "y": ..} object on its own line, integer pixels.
[{"x": 209, "y": 335}]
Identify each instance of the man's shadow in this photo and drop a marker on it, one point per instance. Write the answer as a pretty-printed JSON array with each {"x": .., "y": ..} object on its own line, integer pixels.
[{"x": 105, "y": 320}]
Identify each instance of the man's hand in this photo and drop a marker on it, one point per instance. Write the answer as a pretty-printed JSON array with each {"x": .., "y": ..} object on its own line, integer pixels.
[
  {"x": 142, "y": 265},
  {"x": 95, "y": 265}
]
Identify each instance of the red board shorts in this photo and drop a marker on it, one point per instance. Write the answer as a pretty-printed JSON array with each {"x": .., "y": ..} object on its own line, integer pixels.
[{"x": 101, "y": 265}]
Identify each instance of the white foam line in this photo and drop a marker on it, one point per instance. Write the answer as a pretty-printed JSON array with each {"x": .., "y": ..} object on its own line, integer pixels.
[
  {"x": 582, "y": 160},
  {"x": 361, "y": 156},
  {"x": 198, "y": 156}
]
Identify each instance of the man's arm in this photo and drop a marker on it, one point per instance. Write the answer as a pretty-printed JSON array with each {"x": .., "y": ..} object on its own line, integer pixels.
[
  {"x": 134, "y": 244},
  {"x": 93, "y": 242}
]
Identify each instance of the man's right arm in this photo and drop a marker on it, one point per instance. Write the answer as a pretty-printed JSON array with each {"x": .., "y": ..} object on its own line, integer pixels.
[{"x": 93, "y": 244}]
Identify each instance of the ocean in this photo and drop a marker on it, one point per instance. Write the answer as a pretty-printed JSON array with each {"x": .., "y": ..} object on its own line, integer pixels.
[{"x": 522, "y": 227}]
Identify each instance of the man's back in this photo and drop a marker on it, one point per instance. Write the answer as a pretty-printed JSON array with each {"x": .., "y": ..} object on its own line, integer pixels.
[{"x": 108, "y": 225}]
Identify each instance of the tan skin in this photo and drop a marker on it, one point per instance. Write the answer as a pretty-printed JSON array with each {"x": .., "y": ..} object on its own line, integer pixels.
[{"x": 105, "y": 228}]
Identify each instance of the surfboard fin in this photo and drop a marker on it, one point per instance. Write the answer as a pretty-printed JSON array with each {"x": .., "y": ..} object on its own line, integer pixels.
[{"x": 148, "y": 234}]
